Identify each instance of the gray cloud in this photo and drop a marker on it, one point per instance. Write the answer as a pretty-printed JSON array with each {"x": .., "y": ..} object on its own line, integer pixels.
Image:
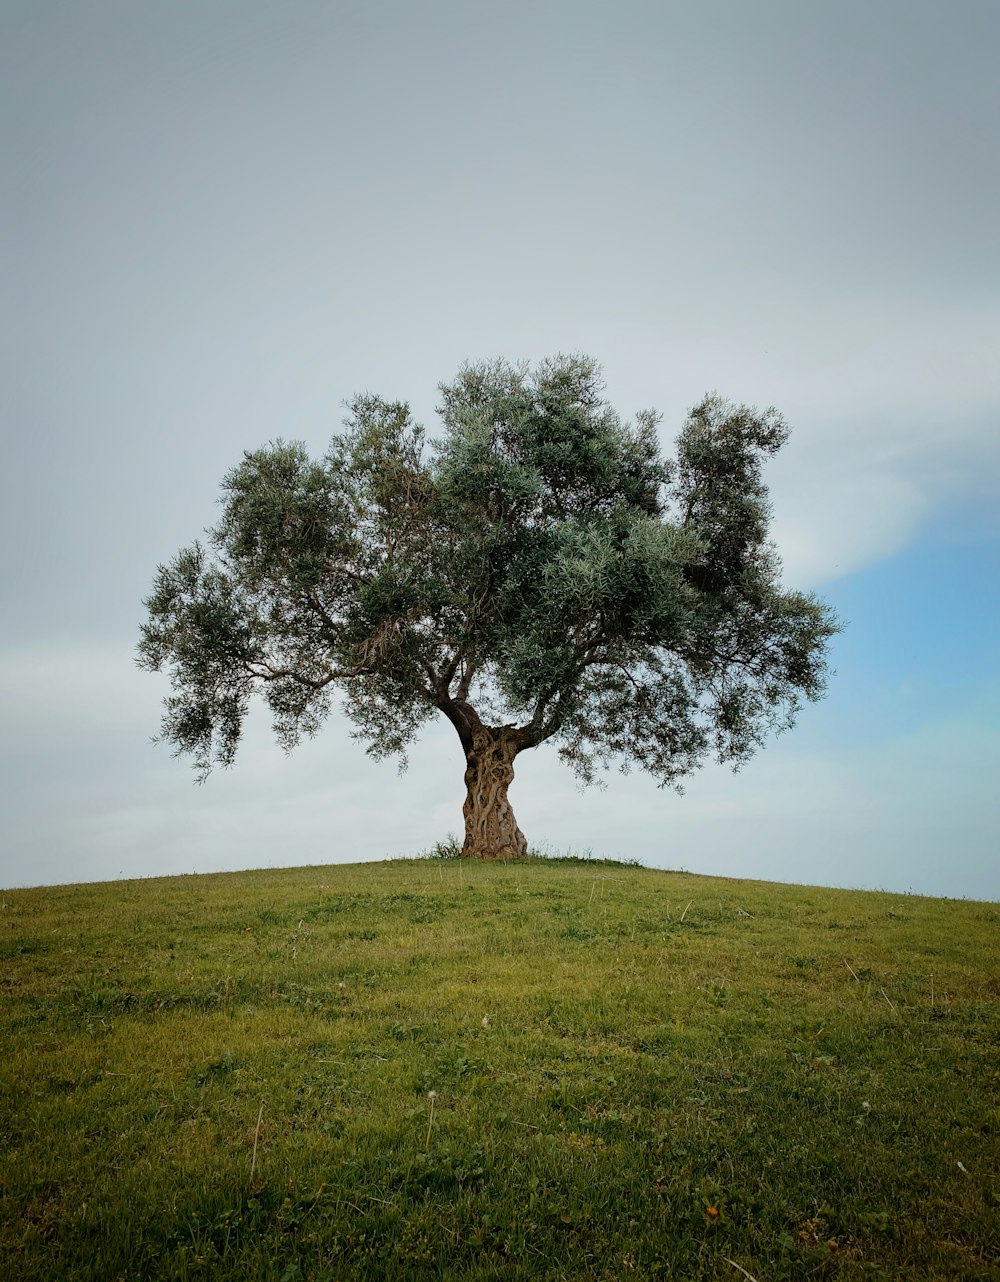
[{"x": 224, "y": 219}]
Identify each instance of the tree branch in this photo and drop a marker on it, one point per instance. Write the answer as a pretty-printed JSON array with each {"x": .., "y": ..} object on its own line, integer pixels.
[
  {"x": 271, "y": 673},
  {"x": 463, "y": 717},
  {"x": 335, "y": 628}
]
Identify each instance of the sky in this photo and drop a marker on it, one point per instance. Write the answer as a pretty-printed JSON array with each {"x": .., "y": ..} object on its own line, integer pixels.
[{"x": 224, "y": 218}]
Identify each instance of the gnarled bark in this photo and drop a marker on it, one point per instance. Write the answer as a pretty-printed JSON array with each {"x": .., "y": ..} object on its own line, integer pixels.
[{"x": 491, "y": 831}]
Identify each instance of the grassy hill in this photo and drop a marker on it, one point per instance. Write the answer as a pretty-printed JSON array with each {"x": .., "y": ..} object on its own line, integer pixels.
[{"x": 554, "y": 1069}]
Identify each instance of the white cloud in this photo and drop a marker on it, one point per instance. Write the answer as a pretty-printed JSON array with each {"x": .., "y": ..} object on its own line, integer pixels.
[
  {"x": 89, "y": 797},
  {"x": 827, "y": 526},
  {"x": 893, "y": 401},
  {"x": 85, "y": 687},
  {"x": 910, "y": 814}
]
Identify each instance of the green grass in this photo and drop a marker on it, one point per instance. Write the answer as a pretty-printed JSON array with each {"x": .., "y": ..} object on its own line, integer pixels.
[{"x": 636, "y": 1074}]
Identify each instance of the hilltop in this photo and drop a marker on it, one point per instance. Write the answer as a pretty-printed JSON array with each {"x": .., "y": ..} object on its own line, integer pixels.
[{"x": 544, "y": 1069}]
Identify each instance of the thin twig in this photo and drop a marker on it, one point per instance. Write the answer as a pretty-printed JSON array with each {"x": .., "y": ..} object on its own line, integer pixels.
[
  {"x": 256, "y": 1137},
  {"x": 685, "y": 912},
  {"x": 432, "y": 1096},
  {"x": 852, "y": 970},
  {"x": 886, "y": 996},
  {"x": 740, "y": 1267}
]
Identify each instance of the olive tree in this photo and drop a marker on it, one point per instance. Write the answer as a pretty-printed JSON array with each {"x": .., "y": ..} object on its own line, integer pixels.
[{"x": 536, "y": 571}]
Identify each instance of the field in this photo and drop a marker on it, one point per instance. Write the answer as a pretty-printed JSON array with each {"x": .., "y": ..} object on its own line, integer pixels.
[{"x": 551, "y": 1069}]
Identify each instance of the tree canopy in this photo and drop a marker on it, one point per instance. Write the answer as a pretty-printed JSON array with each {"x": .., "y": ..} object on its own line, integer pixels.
[{"x": 536, "y": 571}]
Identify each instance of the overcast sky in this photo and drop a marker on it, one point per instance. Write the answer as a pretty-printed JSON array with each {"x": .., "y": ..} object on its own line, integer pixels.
[{"x": 223, "y": 218}]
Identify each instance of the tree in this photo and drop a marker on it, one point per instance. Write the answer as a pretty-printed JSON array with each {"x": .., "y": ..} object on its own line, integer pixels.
[{"x": 537, "y": 572}]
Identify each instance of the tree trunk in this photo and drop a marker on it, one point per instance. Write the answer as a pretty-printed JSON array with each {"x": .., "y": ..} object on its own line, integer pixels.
[{"x": 491, "y": 831}]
